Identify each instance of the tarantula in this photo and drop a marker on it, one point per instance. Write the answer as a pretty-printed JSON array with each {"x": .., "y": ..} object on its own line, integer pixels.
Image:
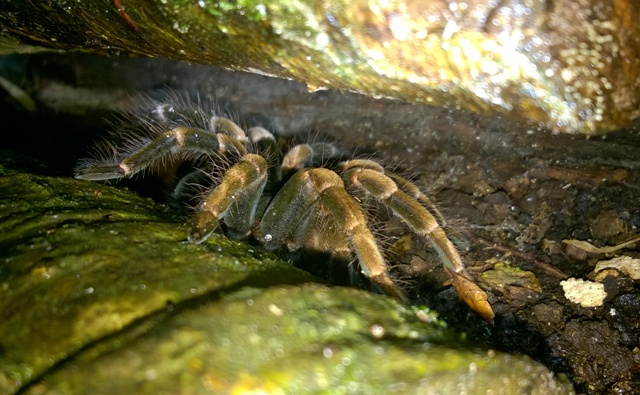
[{"x": 311, "y": 198}]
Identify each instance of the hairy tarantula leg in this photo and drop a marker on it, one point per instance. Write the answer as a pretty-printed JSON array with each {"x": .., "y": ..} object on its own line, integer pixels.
[
  {"x": 422, "y": 223},
  {"x": 222, "y": 125},
  {"x": 235, "y": 200},
  {"x": 179, "y": 139},
  {"x": 314, "y": 211},
  {"x": 372, "y": 181},
  {"x": 411, "y": 189},
  {"x": 264, "y": 143},
  {"x": 308, "y": 155},
  {"x": 405, "y": 185}
]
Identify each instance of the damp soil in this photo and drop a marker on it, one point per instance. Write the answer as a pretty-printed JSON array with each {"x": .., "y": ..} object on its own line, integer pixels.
[{"x": 519, "y": 200}]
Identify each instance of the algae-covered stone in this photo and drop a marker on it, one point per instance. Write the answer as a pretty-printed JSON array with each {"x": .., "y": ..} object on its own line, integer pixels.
[
  {"x": 296, "y": 340},
  {"x": 81, "y": 261},
  {"x": 100, "y": 293}
]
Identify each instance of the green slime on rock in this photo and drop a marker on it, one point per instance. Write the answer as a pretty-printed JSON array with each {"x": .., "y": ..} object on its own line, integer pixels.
[{"x": 98, "y": 283}]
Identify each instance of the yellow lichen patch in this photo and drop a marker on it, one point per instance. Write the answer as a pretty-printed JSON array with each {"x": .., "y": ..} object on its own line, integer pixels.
[
  {"x": 504, "y": 275},
  {"x": 517, "y": 285}
]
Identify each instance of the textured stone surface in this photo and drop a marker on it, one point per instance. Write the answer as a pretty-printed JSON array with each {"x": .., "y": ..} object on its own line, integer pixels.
[
  {"x": 99, "y": 293},
  {"x": 508, "y": 198},
  {"x": 570, "y": 66}
]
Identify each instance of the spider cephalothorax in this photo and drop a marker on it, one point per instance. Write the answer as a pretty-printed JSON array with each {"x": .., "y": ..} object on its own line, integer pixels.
[{"x": 308, "y": 198}]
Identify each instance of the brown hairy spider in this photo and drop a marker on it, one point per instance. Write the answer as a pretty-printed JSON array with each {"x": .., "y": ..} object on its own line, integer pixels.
[{"x": 308, "y": 198}]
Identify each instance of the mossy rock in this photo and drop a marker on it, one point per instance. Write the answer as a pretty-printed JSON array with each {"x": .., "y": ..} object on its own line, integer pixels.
[
  {"x": 100, "y": 293},
  {"x": 562, "y": 65}
]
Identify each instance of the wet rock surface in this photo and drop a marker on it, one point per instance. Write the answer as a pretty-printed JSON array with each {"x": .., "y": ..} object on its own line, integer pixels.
[
  {"x": 528, "y": 210},
  {"x": 101, "y": 294},
  {"x": 563, "y": 65}
]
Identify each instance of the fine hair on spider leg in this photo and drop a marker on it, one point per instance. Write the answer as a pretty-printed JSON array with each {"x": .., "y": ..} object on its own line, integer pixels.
[
  {"x": 178, "y": 117},
  {"x": 306, "y": 200}
]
